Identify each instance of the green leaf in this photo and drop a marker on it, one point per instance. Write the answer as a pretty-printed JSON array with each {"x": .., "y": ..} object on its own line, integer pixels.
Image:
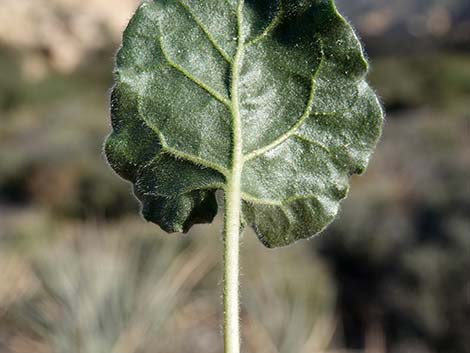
[{"x": 280, "y": 83}]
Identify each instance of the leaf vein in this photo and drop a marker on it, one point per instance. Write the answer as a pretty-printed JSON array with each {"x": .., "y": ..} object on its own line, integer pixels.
[
  {"x": 279, "y": 203},
  {"x": 296, "y": 126},
  {"x": 195, "y": 159},
  {"x": 206, "y": 187},
  {"x": 313, "y": 142},
  {"x": 175, "y": 152},
  {"x": 192, "y": 78},
  {"x": 206, "y": 32},
  {"x": 272, "y": 26}
]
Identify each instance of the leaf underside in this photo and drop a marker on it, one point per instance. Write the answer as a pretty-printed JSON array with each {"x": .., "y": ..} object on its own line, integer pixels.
[{"x": 308, "y": 118}]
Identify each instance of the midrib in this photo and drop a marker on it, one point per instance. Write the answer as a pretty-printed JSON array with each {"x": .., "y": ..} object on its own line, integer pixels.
[
  {"x": 237, "y": 138},
  {"x": 233, "y": 189}
]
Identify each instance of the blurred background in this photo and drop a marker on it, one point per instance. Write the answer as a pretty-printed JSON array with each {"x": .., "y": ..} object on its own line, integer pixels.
[{"x": 80, "y": 272}]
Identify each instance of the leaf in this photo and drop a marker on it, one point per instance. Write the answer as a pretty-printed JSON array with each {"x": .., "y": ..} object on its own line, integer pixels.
[{"x": 283, "y": 80}]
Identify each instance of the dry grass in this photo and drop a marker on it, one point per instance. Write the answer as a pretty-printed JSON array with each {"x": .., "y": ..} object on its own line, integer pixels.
[{"x": 122, "y": 289}]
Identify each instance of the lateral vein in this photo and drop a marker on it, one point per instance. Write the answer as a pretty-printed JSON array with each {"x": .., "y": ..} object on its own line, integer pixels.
[
  {"x": 289, "y": 133},
  {"x": 187, "y": 191},
  {"x": 192, "y": 78},
  {"x": 274, "y": 23},
  {"x": 312, "y": 142},
  {"x": 296, "y": 126},
  {"x": 195, "y": 159},
  {"x": 206, "y": 32},
  {"x": 279, "y": 203},
  {"x": 175, "y": 152}
]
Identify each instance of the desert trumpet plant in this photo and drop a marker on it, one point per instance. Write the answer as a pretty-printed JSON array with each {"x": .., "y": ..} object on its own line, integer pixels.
[{"x": 265, "y": 100}]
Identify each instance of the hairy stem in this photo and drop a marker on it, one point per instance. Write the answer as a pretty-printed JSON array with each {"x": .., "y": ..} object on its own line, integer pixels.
[
  {"x": 231, "y": 269},
  {"x": 233, "y": 211}
]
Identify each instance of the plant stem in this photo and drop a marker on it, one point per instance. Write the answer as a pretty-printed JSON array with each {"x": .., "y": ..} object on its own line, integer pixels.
[
  {"x": 233, "y": 209},
  {"x": 231, "y": 271},
  {"x": 232, "y": 233}
]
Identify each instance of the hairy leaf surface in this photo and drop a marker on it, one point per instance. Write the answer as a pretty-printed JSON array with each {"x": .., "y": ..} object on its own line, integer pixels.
[{"x": 290, "y": 73}]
